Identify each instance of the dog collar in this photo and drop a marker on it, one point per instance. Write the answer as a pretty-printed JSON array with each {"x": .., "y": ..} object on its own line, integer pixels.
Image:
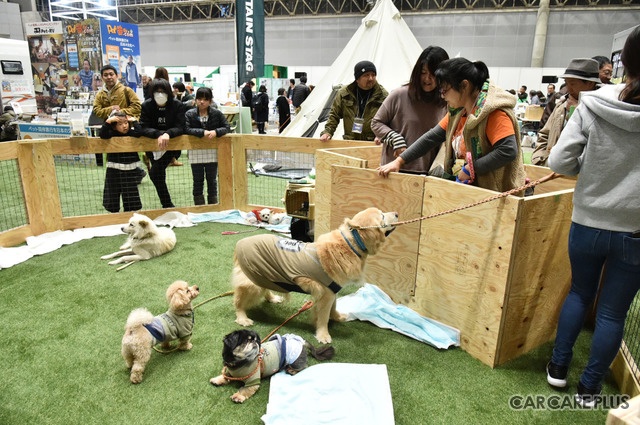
[
  {"x": 349, "y": 243},
  {"x": 358, "y": 239}
]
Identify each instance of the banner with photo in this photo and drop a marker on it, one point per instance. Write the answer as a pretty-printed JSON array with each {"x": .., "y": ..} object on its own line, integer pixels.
[
  {"x": 84, "y": 55},
  {"x": 121, "y": 48},
  {"x": 48, "y": 64},
  {"x": 250, "y": 41}
]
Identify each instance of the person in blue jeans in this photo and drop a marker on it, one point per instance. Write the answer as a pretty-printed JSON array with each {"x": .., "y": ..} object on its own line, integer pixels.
[{"x": 600, "y": 143}]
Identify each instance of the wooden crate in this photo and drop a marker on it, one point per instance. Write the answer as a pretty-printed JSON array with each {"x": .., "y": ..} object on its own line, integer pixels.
[{"x": 498, "y": 272}]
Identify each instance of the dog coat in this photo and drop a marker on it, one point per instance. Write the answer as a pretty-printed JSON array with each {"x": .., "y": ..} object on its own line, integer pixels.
[
  {"x": 274, "y": 262},
  {"x": 278, "y": 352},
  {"x": 170, "y": 326}
]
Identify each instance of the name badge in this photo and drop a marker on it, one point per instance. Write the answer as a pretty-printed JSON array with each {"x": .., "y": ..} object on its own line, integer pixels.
[{"x": 358, "y": 123}]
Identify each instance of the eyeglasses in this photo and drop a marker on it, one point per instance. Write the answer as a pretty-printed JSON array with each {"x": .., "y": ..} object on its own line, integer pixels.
[
  {"x": 444, "y": 91},
  {"x": 608, "y": 73}
]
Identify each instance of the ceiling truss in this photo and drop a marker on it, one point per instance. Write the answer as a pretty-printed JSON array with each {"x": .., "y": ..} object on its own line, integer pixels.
[{"x": 162, "y": 11}]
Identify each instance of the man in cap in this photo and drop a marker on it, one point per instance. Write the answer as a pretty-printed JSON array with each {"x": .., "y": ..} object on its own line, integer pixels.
[
  {"x": 581, "y": 75},
  {"x": 356, "y": 104}
]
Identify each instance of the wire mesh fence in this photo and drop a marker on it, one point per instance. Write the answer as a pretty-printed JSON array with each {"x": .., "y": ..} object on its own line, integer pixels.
[
  {"x": 82, "y": 188},
  {"x": 271, "y": 171},
  {"x": 12, "y": 202},
  {"x": 631, "y": 338}
]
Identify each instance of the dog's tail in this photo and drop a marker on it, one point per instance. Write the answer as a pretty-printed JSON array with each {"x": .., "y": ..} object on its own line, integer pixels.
[
  {"x": 325, "y": 352},
  {"x": 137, "y": 318}
]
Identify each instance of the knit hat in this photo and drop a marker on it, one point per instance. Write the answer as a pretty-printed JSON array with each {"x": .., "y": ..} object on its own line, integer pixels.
[
  {"x": 362, "y": 67},
  {"x": 583, "y": 69}
]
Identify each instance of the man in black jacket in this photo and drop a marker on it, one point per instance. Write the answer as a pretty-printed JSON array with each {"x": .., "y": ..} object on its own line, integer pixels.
[
  {"x": 247, "y": 93},
  {"x": 300, "y": 93}
]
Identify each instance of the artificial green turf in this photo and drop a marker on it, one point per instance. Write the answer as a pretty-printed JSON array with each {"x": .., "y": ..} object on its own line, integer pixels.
[{"x": 64, "y": 314}]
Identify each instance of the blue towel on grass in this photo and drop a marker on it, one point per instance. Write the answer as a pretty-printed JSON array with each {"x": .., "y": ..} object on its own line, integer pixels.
[
  {"x": 238, "y": 217},
  {"x": 372, "y": 304}
]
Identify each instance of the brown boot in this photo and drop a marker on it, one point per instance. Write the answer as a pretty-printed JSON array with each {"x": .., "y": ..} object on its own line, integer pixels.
[{"x": 175, "y": 163}]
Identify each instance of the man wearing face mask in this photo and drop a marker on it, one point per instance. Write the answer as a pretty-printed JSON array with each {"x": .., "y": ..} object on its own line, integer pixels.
[
  {"x": 114, "y": 96},
  {"x": 162, "y": 118},
  {"x": 356, "y": 104}
]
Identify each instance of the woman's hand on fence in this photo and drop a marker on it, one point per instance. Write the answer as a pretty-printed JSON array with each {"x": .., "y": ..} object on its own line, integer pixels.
[{"x": 393, "y": 166}]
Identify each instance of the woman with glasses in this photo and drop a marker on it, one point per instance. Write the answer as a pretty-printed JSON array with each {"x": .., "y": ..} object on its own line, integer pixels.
[
  {"x": 481, "y": 135},
  {"x": 410, "y": 111}
]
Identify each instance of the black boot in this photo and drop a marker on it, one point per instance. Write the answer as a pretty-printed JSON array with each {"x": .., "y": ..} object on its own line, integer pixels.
[
  {"x": 212, "y": 199},
  {"x": 198, "y": 199}
]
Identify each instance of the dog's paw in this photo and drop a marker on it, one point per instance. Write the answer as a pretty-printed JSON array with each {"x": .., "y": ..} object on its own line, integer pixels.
[
  {"x": 238, "y": 398},
  {"x": 105, "y": 257},
  {"x": 114, "y": 262},
  {"x": 185, "y": 347},
  {"x": 219, "y": 381},
  {"x": 135, "y": 378},
  {"x": 323, "y": 337},
  {"x": 244, "y": 322},
  {"x": 275, "y": 299},
  {"x": 339, "y": 317}
]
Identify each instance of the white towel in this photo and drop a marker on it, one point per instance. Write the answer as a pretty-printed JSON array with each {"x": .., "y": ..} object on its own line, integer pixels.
[{"x": 331, "y": 394}]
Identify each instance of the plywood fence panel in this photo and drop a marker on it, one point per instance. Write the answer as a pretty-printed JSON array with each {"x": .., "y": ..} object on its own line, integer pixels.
[
  {"x": 625, "y": 369},
  {"x": 324, "y": 160},
  {"x": 294, "y": 144},
  {"x": 240, "y": 181},
  {"x": 15, "y": 236},
  {"x": 394, "y": 268},
  {"x": 47, "y": 186},
  {"x": 8, "y": 150},
  {"x": 541, "y": 274},
  {"x": 463, "y": 263},
  {"x": 535, "y": 172},
  {"x": 225, "y": 174},
  {"x": 30, "y": 188}
]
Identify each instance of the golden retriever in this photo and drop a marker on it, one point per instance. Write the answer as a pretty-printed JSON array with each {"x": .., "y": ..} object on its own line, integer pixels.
[
  {"x": 266, "y": 263},
  {"x": 145, "y": 241}
]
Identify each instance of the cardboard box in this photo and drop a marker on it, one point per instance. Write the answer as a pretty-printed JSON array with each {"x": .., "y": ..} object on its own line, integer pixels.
[{"x": 533, "y": 112}]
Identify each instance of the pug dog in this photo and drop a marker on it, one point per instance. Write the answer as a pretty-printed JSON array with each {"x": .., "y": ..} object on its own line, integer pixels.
[{"x": 246, "y": 359}]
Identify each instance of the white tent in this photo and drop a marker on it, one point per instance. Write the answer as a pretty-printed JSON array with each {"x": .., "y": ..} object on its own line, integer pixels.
[{"x": 384, "y": 39}]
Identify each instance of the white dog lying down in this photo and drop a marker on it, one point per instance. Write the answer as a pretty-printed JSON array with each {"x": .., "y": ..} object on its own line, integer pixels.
[{"x": 146, "y": 240}]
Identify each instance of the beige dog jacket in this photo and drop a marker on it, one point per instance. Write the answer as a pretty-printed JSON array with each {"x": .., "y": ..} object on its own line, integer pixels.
[{"x": 274, "y": 262}]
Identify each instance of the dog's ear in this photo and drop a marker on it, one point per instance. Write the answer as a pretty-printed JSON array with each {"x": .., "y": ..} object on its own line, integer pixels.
[
  {"x": 179, "y": 298},
  {"x": 143, "y": 223}
]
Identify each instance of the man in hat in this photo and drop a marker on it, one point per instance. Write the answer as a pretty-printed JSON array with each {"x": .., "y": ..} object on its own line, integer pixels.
[
  {"x": 356, "y": 104},
  {"x": 581, "y": 75}
]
